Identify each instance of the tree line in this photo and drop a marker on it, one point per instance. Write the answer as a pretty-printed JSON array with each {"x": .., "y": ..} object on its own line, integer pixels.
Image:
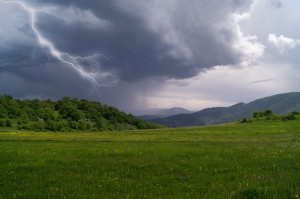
[
  {"x": 67, "y": 114},
  {"x": 269, "y": 115}
]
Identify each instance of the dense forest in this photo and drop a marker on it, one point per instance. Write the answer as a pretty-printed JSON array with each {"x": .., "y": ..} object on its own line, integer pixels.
[{"x": 67, "y": 114}]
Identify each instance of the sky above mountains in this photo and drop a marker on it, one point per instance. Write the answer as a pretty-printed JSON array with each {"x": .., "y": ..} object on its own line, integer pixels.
[{"x": 137, "y": 54}]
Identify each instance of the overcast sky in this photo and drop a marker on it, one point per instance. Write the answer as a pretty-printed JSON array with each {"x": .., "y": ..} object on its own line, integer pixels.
[{"x": 139, "y": 54}]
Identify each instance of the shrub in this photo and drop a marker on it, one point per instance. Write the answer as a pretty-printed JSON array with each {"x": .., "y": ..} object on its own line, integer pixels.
[
  {"x": 268, "y": 112},
  {"x": 256, "y": 115},
  {"x": 8, "y": 123},
  {"x": 288, "y": 117},
  {"x": 38, "y": 126},
  {"x": 295, "y": 113},
  {"x": 245, "y": 120}
]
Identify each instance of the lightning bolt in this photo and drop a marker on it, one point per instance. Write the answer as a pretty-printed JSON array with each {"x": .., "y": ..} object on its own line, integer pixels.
[{"x": 76, "y": 62}]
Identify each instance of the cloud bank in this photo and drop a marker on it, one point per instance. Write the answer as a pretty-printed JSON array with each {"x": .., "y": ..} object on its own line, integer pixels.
[{"x": 145, "y": 45}]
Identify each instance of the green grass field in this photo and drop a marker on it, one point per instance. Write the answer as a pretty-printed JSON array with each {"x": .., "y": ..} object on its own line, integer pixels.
[{"x": 251, "y": 160}]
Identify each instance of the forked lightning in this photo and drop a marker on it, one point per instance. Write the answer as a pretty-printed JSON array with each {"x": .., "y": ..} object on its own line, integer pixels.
[{"x": 64, "y": 57}]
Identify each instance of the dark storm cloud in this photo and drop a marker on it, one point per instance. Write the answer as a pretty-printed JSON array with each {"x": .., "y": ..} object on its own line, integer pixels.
[
  {"x": 133, "y": 50},
  {"x": 136, "y": 52},
  {"x": 49, "y": 81},
  {"x": 140, "y": 39}
]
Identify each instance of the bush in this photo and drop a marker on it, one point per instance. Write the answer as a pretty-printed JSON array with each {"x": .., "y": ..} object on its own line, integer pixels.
[
  {"x": 245, "y": 120},
  {"x": 38, "y": 126},
  {"x": 288, "y": 117},
  {"x": 295, "y": 113},
  {"x": 62, "y": 125},
  {"x": 8, "y": 123},
  {"x": 268, "y": 112},
  {"x": 3, "y": 112},
  {"x": 24, "y": 127},
  {"x": 256, "y": 115}
]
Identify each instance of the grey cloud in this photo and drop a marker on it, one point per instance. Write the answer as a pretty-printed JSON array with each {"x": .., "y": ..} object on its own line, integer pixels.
[
  {"x": 50, "y": 81},
  {"x": 191, "y": 37},
  {"x": 277, "y": 3},
  {"x": 136, "y": 52}
]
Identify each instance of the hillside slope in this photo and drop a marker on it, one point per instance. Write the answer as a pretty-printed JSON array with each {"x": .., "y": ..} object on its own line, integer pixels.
[
  {"x": 163, "y": 113},
  {"x": 281, "y": 103},
  {"x": 66, "y": 114}
]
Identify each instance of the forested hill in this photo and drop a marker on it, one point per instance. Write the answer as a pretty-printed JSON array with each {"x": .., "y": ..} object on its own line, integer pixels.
[{"x": 66, "y": 114}]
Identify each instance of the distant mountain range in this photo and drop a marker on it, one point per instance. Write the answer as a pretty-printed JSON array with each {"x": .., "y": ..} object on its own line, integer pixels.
[
  {"x": 281, "y": 104},
  {"x": 163, "y": 113}
]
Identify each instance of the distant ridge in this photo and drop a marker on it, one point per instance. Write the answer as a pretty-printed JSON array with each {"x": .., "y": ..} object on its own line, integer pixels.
[
  {"x": 162, "y": 113},
  {"x": 281, "y": 104}
]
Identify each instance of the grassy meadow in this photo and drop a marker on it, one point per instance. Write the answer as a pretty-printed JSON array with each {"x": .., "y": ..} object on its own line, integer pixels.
[{"x": 260, "y": 159}]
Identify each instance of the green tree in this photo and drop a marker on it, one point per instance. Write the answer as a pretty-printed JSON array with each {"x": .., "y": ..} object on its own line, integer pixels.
[
  {"x": 13, "y": 109},
  {"x": 295, "y": 113},
  {"x": 82, "y": 125},
  {"x": 38, "y": 126},
  {"x": 268, "y": 112},
  {"x": 46, "y": 113},
  {"x": 3, "y": 112},
  {"x": 8, "y": 123},
  {"x": 255, "y": 115},
  {"x": 73, "y": 124},
  {"x": 100, "y": 124}
]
